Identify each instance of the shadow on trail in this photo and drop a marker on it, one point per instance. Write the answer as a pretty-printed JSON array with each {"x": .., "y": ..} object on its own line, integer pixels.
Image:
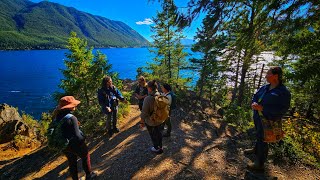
[
  {"x": 28, "y": 164},
  {"x": 188, "y": 154}
]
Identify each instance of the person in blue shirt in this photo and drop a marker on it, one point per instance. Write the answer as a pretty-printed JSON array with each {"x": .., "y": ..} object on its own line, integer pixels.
[
  {"x": 273, "y": 101},
  {"x": 109, "y": 96}
]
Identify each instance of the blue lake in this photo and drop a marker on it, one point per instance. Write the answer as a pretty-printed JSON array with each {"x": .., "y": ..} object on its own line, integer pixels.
[{"x": 29, "y": 78}]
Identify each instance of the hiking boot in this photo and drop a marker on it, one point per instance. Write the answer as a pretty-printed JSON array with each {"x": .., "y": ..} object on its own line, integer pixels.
[
  {"x": 249, "y": 151},
  {"x": 116, "y": 130},
  {"x": 255, "y": 166},
  {"x": 157, "y": 151},
  {"x": 92, "y": 175}
]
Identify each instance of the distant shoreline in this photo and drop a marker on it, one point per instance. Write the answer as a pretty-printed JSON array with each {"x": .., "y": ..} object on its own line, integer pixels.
[{"x": 56, "y": 48}]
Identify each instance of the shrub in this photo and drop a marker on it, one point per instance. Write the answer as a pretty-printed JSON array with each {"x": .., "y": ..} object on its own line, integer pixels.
[{"x": 238, "y": 116}]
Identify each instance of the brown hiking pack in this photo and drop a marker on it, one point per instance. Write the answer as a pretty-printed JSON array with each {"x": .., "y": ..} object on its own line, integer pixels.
[{"x": 160, "y": 110}]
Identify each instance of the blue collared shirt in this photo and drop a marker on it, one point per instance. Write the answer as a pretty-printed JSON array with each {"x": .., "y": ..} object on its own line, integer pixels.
[{"x": 275, "y": 102}]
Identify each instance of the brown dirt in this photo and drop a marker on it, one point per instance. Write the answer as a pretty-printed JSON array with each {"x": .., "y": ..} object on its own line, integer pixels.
[{"x": 197, "y": 149}]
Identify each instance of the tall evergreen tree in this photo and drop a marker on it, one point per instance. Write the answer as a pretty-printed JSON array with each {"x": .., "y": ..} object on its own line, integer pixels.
[
  {"x": 84, "y": 71},
  {"x": 211, "y": 45},
  {"x": 170, "y": 57}
]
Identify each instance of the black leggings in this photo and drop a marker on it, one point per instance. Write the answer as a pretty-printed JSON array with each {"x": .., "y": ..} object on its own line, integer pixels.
[
  {"x": 156, "y": 135},
  {"x": 73, "y": 152}
]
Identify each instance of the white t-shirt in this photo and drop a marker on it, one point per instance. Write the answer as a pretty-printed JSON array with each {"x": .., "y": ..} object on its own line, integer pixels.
[{"x": 169, "y": 97}]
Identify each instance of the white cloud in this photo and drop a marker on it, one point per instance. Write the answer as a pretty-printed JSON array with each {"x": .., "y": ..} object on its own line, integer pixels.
[{"x": 147, "y": 21}]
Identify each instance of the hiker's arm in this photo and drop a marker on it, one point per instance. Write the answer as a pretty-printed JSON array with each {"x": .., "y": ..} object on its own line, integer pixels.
[
  {"x": 75, "y": 124},
  {"x": 170, "y": 99},
  {"x": 145, "y": 112},
  {"x": 101, "y": 98},
  {"x": 119, "y": 95}
]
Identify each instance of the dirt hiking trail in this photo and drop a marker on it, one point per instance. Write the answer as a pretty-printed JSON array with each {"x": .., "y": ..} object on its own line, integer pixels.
[{"x": 199, "y": 148}]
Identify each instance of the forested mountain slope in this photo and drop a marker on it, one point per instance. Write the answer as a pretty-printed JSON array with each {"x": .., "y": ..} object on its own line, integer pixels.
[{"x": 27, "y": 25}]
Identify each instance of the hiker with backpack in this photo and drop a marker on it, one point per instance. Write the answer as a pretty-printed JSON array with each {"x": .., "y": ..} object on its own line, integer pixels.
[
  {"x": 75, "y": 146},
  {"x": 109, "y": 96},
  {"x": 167, "y": 91},
  {"x": 155, "y": 111},
  {"x": 141, "y": 92},
  {"x": 269, "y": 105}
]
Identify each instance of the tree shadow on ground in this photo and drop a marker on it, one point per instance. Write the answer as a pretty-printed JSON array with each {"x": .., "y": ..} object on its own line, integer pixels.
[
  {"x": 188, "y": 154},
  {"x": 28, "y": 164}
]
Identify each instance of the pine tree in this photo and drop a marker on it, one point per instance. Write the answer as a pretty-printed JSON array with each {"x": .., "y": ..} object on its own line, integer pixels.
[
  {"x": 84, "y": 71},
  {"x": 170, "y": 57},
  {"x": 211, "y": 45}
]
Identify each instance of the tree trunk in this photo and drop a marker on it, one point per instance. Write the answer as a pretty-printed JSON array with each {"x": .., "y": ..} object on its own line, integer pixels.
[
  {"x": 244, "y": 71},
  {"x": 259, "y": 83},
  {"x": 234, "y": 93}
]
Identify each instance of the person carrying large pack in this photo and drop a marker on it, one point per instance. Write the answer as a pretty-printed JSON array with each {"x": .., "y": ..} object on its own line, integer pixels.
[
  {"x": 155, "y": 111},
  {"x": 64, "y": 135}
]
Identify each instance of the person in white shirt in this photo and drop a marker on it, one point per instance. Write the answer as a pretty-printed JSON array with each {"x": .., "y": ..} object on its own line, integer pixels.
[{"x": 166, "y": 89}]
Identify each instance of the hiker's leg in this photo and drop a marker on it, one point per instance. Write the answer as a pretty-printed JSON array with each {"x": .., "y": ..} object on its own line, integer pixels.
[
  {"x": 114, "y": 118},
  {"x": 162, "y": 125},
  {"x": 72, "y": 161},
  {"x": 108, "y": 122},
  {"x": 151, "y": 133},
  {"x": 85, "y": 157},
  {"x": 158, "y": 136},
  {"x": 140, "y": 105},
  {"x": 261, "y": 147},
  {"x": 168, "y": 123}
]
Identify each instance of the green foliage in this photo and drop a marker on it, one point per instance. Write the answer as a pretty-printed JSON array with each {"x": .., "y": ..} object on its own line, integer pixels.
[
  {"x": 300, "y": 56},
  {"x": 28, "y": 119},
  {"x": 238, "y": 116},
  {"x": 47, "y": 25},
  {"x": 83, "y": 75},
  {"x": 290, "y": 151},
  {"x": 45, "y": 121},
  {"x": 170, "y": 58},
  {"x": 82, "y": 78},
  {"x": 305, "y": 138}
]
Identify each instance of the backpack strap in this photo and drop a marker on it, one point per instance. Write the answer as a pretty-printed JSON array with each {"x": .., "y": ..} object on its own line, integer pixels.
[{"x": 68, "y": 116}]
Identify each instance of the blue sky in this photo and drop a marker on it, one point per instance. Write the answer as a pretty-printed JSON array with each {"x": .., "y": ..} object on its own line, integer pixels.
[{"x": 135, "y": 13}]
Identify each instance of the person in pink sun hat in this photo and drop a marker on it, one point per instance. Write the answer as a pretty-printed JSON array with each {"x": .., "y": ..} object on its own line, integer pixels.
[{"x": 71, "y": 131}]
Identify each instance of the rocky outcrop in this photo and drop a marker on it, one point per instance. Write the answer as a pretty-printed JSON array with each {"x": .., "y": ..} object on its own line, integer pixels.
[{"x": 14, "y": 129}]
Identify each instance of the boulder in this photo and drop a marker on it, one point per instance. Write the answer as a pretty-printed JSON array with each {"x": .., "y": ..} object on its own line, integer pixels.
[{"x": 11, "y": 124}]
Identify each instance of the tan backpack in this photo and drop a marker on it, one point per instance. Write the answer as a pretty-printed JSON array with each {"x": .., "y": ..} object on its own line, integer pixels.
[{"x": 160, "y": 110}]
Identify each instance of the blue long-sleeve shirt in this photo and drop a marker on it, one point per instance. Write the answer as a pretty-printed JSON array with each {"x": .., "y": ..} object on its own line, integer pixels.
[
  {"x": 275, "y": 102},
  {"x": 108, "y": 97},
  {"x": 70, "y": 128}
]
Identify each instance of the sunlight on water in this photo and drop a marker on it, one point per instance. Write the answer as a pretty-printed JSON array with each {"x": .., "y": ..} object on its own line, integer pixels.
[{"x": 29, "y": 78}]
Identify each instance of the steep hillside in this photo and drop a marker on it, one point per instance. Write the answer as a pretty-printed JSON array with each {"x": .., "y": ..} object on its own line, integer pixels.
[{"x": 25, "y": 25}]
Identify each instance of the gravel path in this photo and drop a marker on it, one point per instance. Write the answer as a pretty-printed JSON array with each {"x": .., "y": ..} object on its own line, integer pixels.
[{"x": 198, "y": 149}]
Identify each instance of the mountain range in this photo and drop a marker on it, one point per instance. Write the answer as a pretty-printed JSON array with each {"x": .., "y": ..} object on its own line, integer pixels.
[{"x": 47, "y": 25}]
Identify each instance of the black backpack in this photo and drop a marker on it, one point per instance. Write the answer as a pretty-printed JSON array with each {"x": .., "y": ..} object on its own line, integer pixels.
[
  {"x": 56, "y": 141},
  {"x": 174, "y": 100}
]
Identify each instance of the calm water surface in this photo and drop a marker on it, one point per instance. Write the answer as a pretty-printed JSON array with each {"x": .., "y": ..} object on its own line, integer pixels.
[{"x": 29, "y": 78}]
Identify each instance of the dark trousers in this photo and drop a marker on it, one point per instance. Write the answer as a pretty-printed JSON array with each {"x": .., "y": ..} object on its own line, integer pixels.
[
  {"x": 261, "y": 147},
  {"x": 73, "y": 152},
  {"x": 112, "y": 122},
  {"x": 156, "y": 135},
  {"x": 140, "y": 105},
  {"x": 169, "y": 125}
]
